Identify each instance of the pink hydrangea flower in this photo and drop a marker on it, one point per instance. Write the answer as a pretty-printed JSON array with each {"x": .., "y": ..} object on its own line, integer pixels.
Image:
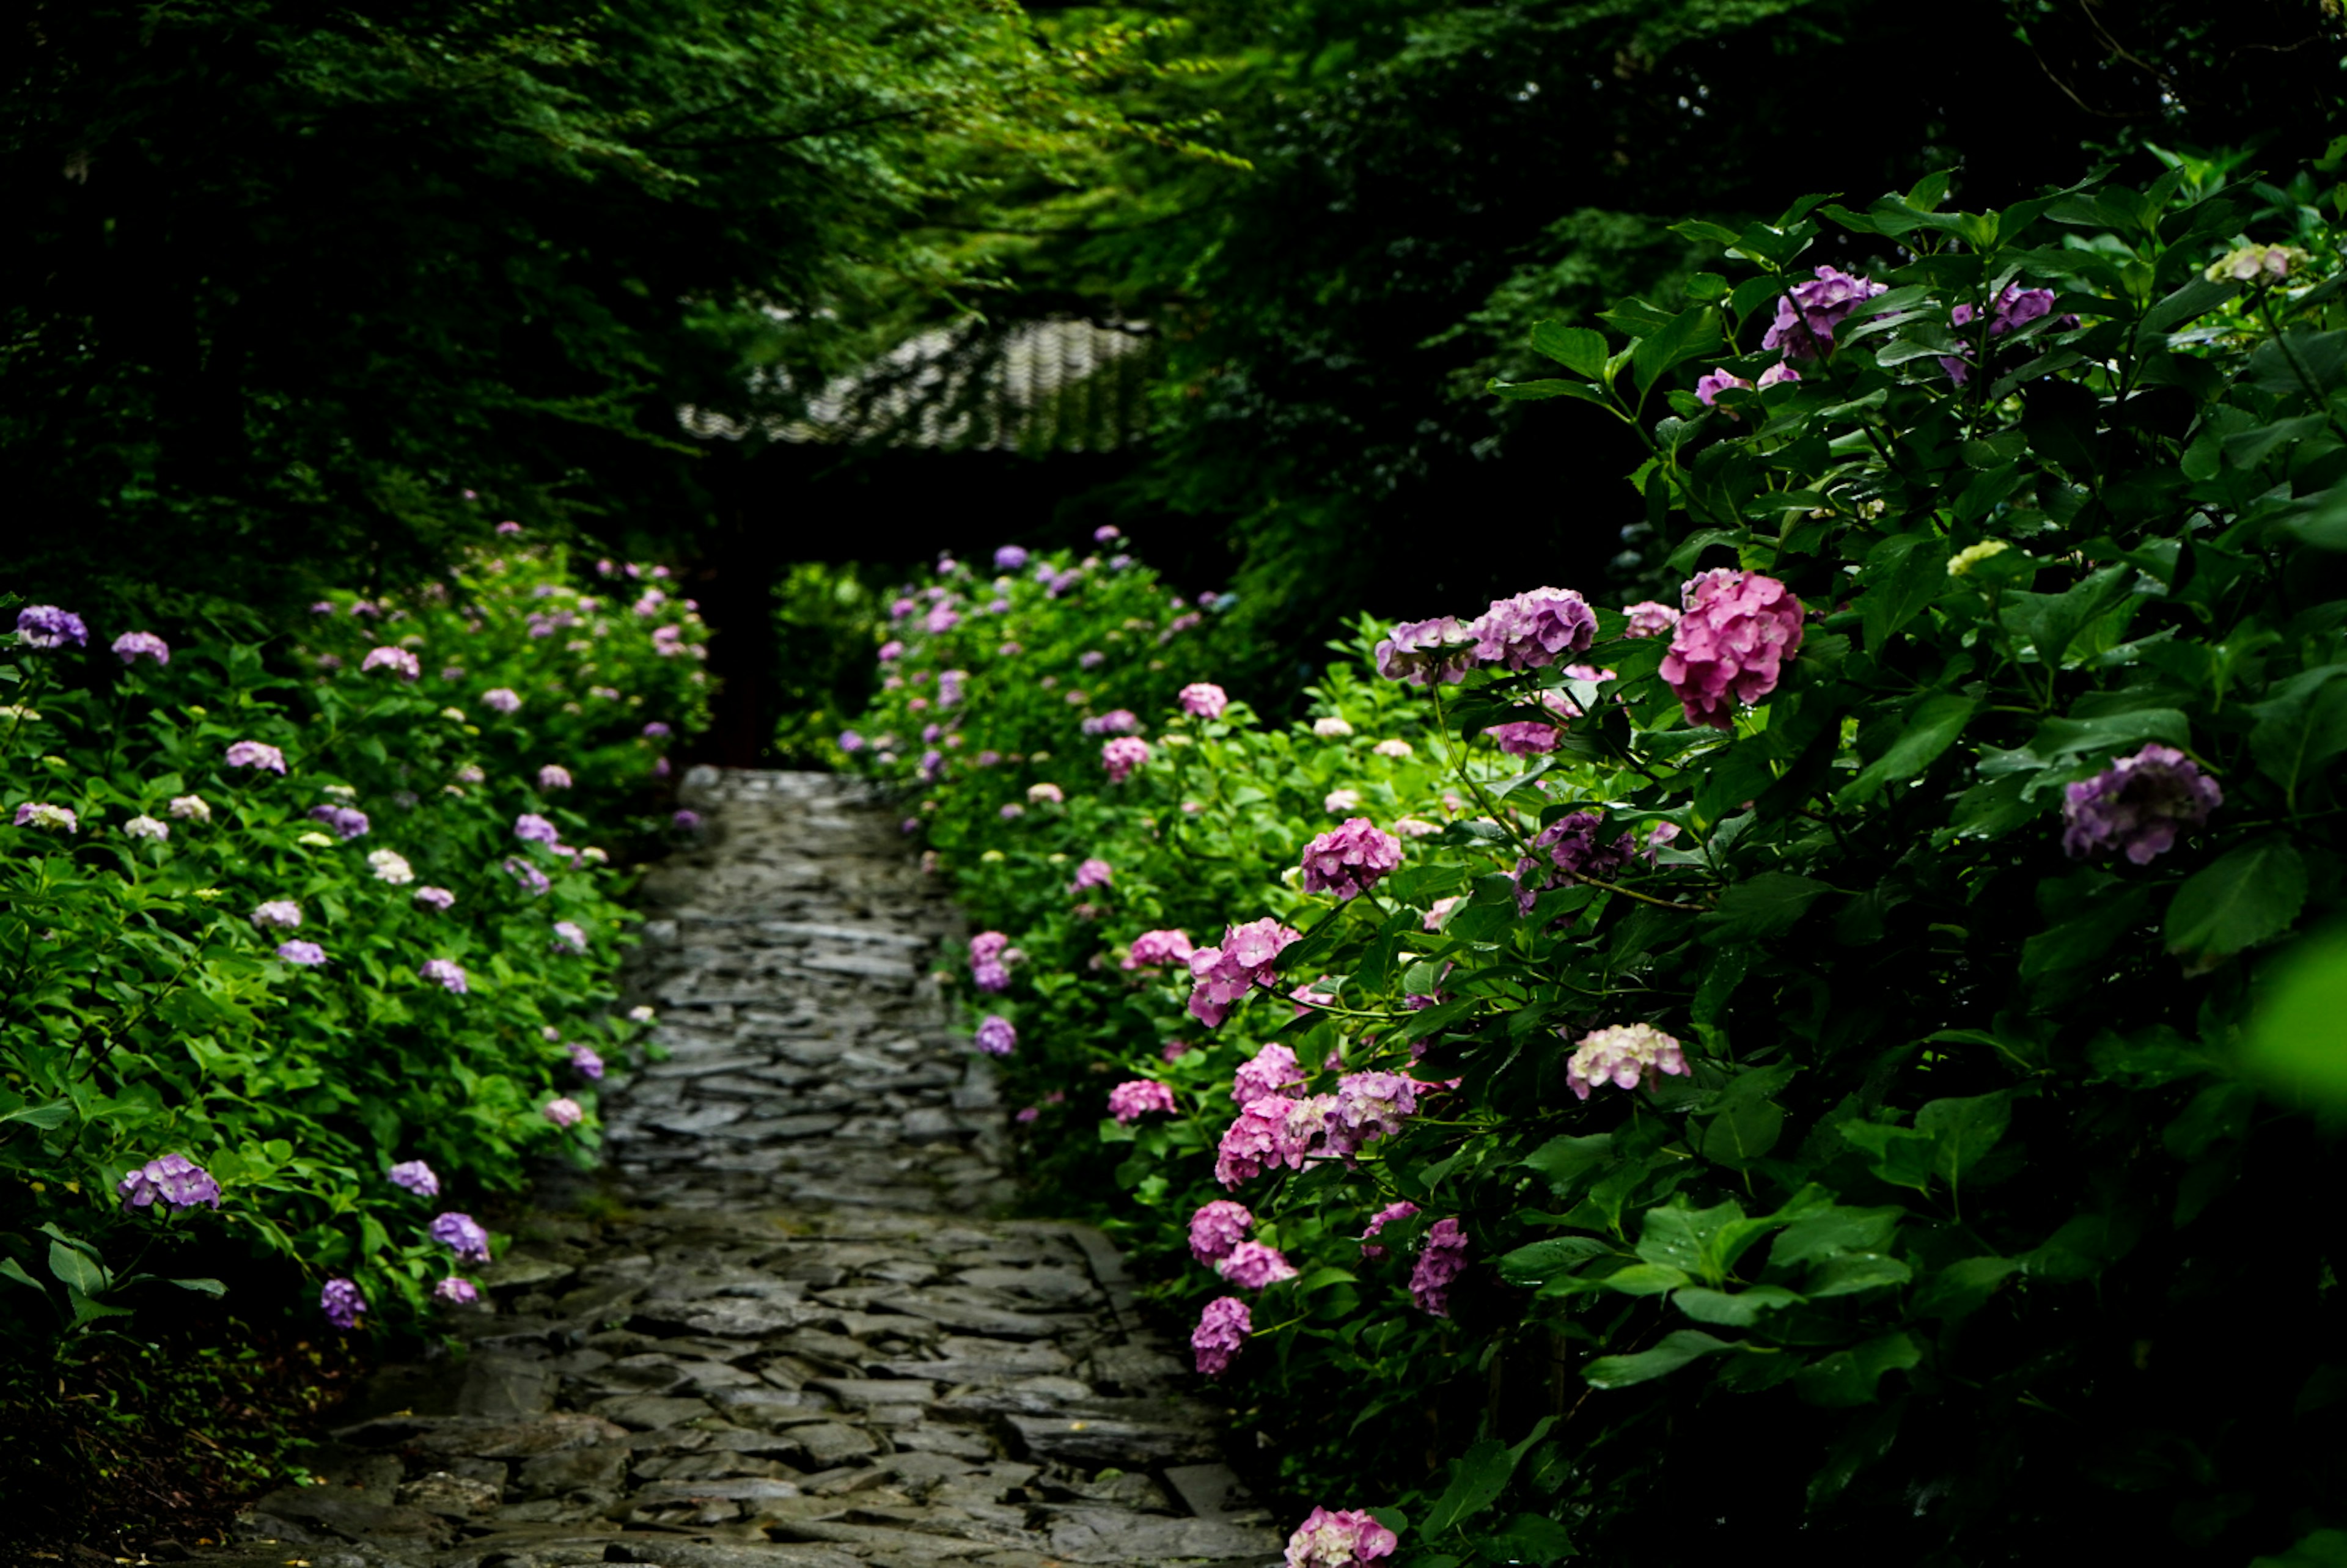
[
  {"x": 1092, "y": 873},
  {"x": 1442, "y": 1258},
  {"x": 1372, "y": 1106},
  {"x": 1808, "y": 312},
  {"x": 1274, "y": 1070},
  {"x": 1649, "y": 618},
  {"x": 1223, "y": 1330},
  {"x": 1427, "y": 652},
  {"x": 1203, "y": 700},
  {"x": 1730, "y": 645},
  {"x": 254, "y": 754},
  {"x": 1256, "y": 1141},
  {"x": 398, "y": 660},
  {"x": 133, "y": 645},
  {"x": 1221, "y": 976},
  {"x": 1385, "y": 1217},
  {"x": 1625, "y": 1055},
  {"x": 1252, "y": 1266},
  {"x": 564, "y": 1112},
  {"x": 503, "y": 699},
  {"x": 1216, "y": 1228},
  {"x": 1524, "y": 738},
  {"x": 1157, "y": 949},
  {"x": 458, "y": 1291},
  {"x": 1341, "y": 1538},
  {"x": 1533, "y": 628},
  {"x": 996, "y": 1037},
  {"x": 553, "y": 775},
  {"x": 1350, "y": 859},
  {"x": 1130, "y": 1101},
  {"x": 1121, "y": 756}
]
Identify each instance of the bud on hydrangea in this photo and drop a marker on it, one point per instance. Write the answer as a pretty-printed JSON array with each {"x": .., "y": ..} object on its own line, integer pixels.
[
  {"x": 996, "y": 1037},
  {"x": 1340, "y": 1538},
  {"x": 174, "y": 1181},
  {"x": 1216, "y": 1228},
  {"x": 342, "y": 1302},
  {"x": 1350, "y": 859},
  {"x": 461, "y": 1234},
  {"x": 1252, "y": 1266},
  {"x": 416, "y": 1176},
  {"x": 1731, "y": 644},
  {"x": 1625, "y": 1056},
  {"x": 1427, "y": 652},
  {"x": 2137, "y": 805},
  {"x": 1203, "y": 700},
  {"x": 1122, "y": 755},
  {"x": 1442, "y": 1258},
  {"x": 1223, "y": 1330},
  {"x": 1533, "y": 630}
]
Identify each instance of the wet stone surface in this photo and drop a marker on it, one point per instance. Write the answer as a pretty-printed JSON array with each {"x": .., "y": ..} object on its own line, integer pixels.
[{"x": 781, "y": 1328}]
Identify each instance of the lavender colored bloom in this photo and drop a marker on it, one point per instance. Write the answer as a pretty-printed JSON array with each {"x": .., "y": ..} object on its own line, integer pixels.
[
  {"x": 346, "y": 823},
  {"x": 1427, "y": 652},
  {"x": 254, "y": 754},
  {"x": 416, "y": 1176},
  {"x": 446, "y": 973},
  {"x": 1223, "y": 1330},
  {"x": 1649, "y": 618},
  {"x": 144, "y": 827},
  {"x": 1533, "y": 628},
  {"x": 1442, "y": 1258},
  {"x": 850, "y": 741},
  {"x": 1130, "y": 1101},
  {"x": 685, "y": 821},
  {"x": 1272, "y": 1073},
  {"x": 1157, "y": 949},
  {"x": 1708, "y": 388},
  {"x": 996, "y": 1037},
  {"x": 1255, "y": 1266},
  {"x": 989, "y": 976},
  {"x": 1203, "y": 700},
  {"x": 1572, "y": 850},
  {"x": 504, "y": 699},
  {"x": 42, "y": 813},
  {"x": 1221, "y": 976},
  {"x": 281, "y": 914},
  {"x": 1122, "y": 755},
  {"x": 1625, "y": 1056},
  {"x": 563, "y": 1112},
  {"x": 46, "y": 626},
  {"x": 2137, "y": 805},
  {"x": 436, "y": 899},
  {"x": 1782, "y": 371},
  {"x": 1808, "y": 312},
  {"x": 1115, "y": 721},
  {"x": 533, "y": 881},
  {"x": 1350, "y": 859},
  {"x": 2014, "y": 308},
  {"x": 554, "y": 775},
  {"x": 133, "y": 645},
  {"x": 1091, "y": 873},
  {"x": 589, "y": 1065},
  {"x": 567, "y": 934},
  {"x": 532, "y": 828},
  {"x": 342, "y": 1302},
  {"x": 1010, "y": 558},
  {"x": 458, "y": 1291},
  {"x": 1216, "y": 1228},
  {"x": 307, "y": 954},
  {"x": 1372, "y": 1106},
  {"x": 174, "y": 1181},
  {"x": 398, "y": 660},
  {"x": 461, "y": 1234},
  {"x": 1385, "y": 1217},
  {"x": 1526, "y": 738}
]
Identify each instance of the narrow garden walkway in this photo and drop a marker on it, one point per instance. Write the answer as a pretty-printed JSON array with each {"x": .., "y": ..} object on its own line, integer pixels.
[{"x": 781, "y": 1328}]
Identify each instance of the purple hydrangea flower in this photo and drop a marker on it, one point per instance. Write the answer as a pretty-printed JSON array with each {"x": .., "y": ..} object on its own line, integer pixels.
[
  {"x": 174, "y": 1181},
  {"x": 133, "y": 645},
  {"x": 1216, "y": 1228},
  {"x": 346, "y": 823},
  {"x": 1442, "y": 1258},
  {"x": 1808, "y": 312},
  {"x": 1534, "y": 629},
  {"x": 532, "y": 828},
  {"x": 1221, "y": 976},
  {"x": 1010, "y": 558},
  {"x": 417, "y": 1177},
  {"x": 42, "y": 813},
  {"x": 398, "y": 660},
  {"x": 446, "y": 973},
  {"x": 1708, "y": 388},
  {"x": 685, "y": 821},
  {"x": 458, "y": 1291},
  {"x": 1339, "y": 1538},
  {"x": 1092, "y": 873},
  {"x": 1121, "y": 756},
  {"x": 569, "y": 935},
  {"x": 656, "y": 730},
  {"x": 254, "y": 754},
  {"x": 1223, "y": 1330},
  {"x": 461, "y": 1234},
  {"x": 504, "y": 699},
  {"x": 46, "y": 626},
  {"x": 1350, "y": 859},
  {"x": 281, "y": 914},
  {"x": 1378, "y": 1221},
  {"x": 533, "y": 881},
  {"x": 1573, "y": 849},
  {"x": 563, "y": 1112},
  {"x": 589, "y": 1065},
  {"x": 996, "y": 1037},
  {"x": 1427, "y": 652},
  {"x": 554, "y": 775},
  {"x": 1255, "y": 1266},
  {"x": 1203, "y": 700},
  {"x": 1526, "y": 738},
  {"x": 308, "y": 954},
  {"x": 342, "y": 1302},
  {"x": 1115, "y": 721},
  {"x": 2137, "y": 805},
  {"x": 436, "y": 899}
]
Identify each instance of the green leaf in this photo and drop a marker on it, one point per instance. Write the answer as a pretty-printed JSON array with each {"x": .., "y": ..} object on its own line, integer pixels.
[
  {"x": 1831, "y": 1232},
  {"x": 1532, "y": 1538},
  {"x": 1743, "y": 1132},
  {"x": 1761, "y": 907},
  {"x": 2317, "y": 1549},
  {"x": 1688, "y": 336},
  {"x": 11, "y": 1269},
  {"x": 202, "y": 1286},
  {"x": 1477, "y": 1479},
  {"x": 76, "y": 1268},
  {"x": 1647, "y": 1279},
  {"x": 1550, "y": 387},
  {"x": 1964, "y": 1130},
  {"x": 1675, "y": 1351},
  {"x": 2301, "y": 726},
  {"x": 1930, "y": 729},
  {"x": 2058, "y": 738},
  {"x": 1542, "y": 1260},
  {"x": 1963, "y": 1288},
  {"x": 1565, "y": 1161},
  {"x": 2297, "y": 1038},
  {"x": 1578, "y": 348},
  {"x": 1848, "y": 1376},
  {"x": 1740, "y": 1310},
  {"x": 1853, "y": 1272},
  {"x": 1902, "y": 1156},
  {"x": 2249, "y": 894},
  {"x": 1704, "y": 1243},
  {"x": 45, "y": 1116}
]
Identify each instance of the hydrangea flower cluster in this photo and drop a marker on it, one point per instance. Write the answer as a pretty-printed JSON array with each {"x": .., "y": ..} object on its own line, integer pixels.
[
  {"x": 1350, "y": 859},
  {"x": 1649, "y": 618},
  {"x": 304, "y": 955},
  {"x": 1130, "y": 1101},
  {"x": 341, "y": 1302},
  {"x": 1530, "y": 631},
  {"x": 1708, "y": 388},
  {"x": 1437, "y": 652},
  {"x": 132, "y": 646},
  {"x": 1216, "y": 1227},
  {"x": 144, "y": 827},
  {"x": 458, "y": 1291},
  {"x": 1625, "y": 1056},
  {"x": 1369, "y": 1106},
  {"x": 2013, "y": 309},
  {"x": 1221, "y": 1332},
  {"x": 390, "y": 866},
  {"x": 2137, "y": 805},
  {"x": 400, "y": 661},
  {"x": 533, "y": 881},
  {"x": 1252, "y": 1266},
  {"x": 1730, "y": 644},
  {"x": 1341, "y": 1538},
  {"x": 43, "y": 813},
  {"x": 1159, "y": 950},
  {"x": 1441, "y": 1259},
  {"x": 446, "y": 973},
  {"x": 417, "y": 1177},
  {"x": 569, "y": 936},
  {"x": 1573, "y": 851},
  {"x": 1203, "y": 700},
  {"x": 174, "y": 1181},
  {"x": 1115, "y": 721},
  {"x": 996, "y": 1037},
  {"x": 1525, "y": 737},
  {"x": 254, "y": 754},
  {"x": 346, "y": 823},
  {"x": 436, "y": 899},
  {"x": 586, "y": 1062},
  {"x": 1221, "y": 976},
  {"x": 502, "y": 699},
  {"x": 987, "y": 969},
  {"x": 1092, "y": 872},
  {"x": 1392, "y": 1212},
  {"x": 564, "y": 1111},
  {"x": 1808, "y": 312},
  {"x": 461, "y": 1234},
  {"x": 1122, "y": 755},
  {"x": 189, "y": 808},
  {"x": 1273, "y": 1070}
]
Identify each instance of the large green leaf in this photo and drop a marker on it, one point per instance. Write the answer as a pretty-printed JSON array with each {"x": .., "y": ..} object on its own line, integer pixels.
[
  {"x": 1848, "y": 1376},
  {"x": 1675, "y": 1351},
  {"x": 2302, "y": 726},
  {"x": 2297, "y": 1039},
  {"x": 2252, "y": 894},
  {"x": 1581, "y": 349},
  {"x": 1929, "y": 730},
  {"x": 76, "y": 1268},
  {"x": 1762, "y": 907}
]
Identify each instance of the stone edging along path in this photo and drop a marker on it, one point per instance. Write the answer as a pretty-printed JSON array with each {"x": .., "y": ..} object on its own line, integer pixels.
[{"x": 779, "y": 1328}]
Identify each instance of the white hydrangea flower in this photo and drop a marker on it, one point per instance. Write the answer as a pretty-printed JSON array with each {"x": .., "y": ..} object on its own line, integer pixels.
[
  {"x": 391, "y": 867},
  {"x": 148, "y": 827},
  {"x": 190, "y": 808},
  {"x": 1330, "y": 728}
]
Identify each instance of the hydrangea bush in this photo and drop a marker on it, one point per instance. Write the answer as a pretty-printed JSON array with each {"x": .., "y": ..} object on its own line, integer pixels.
[
  {"x": 298, "y": 965},
  {"x": 1797, "y": 1091}
]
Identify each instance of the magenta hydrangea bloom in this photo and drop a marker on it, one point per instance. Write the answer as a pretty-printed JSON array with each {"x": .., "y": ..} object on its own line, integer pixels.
[
  {"x": 564, "y": 1111},
  {"x": 254, "y": 754},
  {"x": 346, "y": 823},
  {"x": 132, "y": 646},
  {"x": 1442, "y": 1258},
  {"x": 586, "y": 1062},
  {"x": 1122, "y": 755},
  {"x": 996, "y": 1037},
  {"x": 1221, "y": 1332},
  {"x": 1115, "y": 721},
  {"x": 1252, "y": 1266},
  {"x": 1130, "y": 1101},
  {"x": 1339, "y": 1538},
  {"x": 1385, "y": 1217},
  {"x": 306, "y": 955},
  {"x": 173, "y": 1180},
  {"x": 1221, "y": 976},
  {"x": 398, "y": 660},
  {"x": 1730, "y": 645},
  {"x": 1625, "y": 1056},
  {"x": 436, "y": 899},
  {"x": 1203, "y": 700},
  {"x": 461, "y": 1234},
  {"x": 2016, "y": 307},
  {"x": 46, "y": 626},
  {"x": 1649, "y": 618},
  {"x": 416, "y": 1176},
  {"x": 1808, "y": 312},
  {"x": 2137, "y": 805},
  {"x": 342, "y": 1302},
  {"x": 1265, "y": 1134},
  {"x": 1159, "y": 950},
  {"x": 43, "y": 813},
  {"x": 1533, "y": 630},
  {"x": 1090, "y": 873},
  {"x": 1526, "y": 738},
  {"x": 1427, "y": 652},
  {"x": 990, "y": 976},
  {"x": 1216, "y": 1228},
  {"x": 1273, "y": 1070},
  {"x": 1350, "y": 859},
  {"x": 1708, "y": 388},
  {"x": 444, "y": 972},
  {"x": 1372, "y": 1106},
  {"x": 458, "y": 1291}
]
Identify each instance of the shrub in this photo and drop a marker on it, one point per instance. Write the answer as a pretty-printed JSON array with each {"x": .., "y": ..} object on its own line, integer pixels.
[{"x": 1795, "y": 1089}]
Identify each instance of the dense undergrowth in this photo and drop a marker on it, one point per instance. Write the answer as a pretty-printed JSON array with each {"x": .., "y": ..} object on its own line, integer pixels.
[{"x": 1631, "y": 1081}]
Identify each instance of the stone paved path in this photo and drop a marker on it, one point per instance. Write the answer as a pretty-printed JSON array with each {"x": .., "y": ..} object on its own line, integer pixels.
[{"x": 780, "y": 1327}]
